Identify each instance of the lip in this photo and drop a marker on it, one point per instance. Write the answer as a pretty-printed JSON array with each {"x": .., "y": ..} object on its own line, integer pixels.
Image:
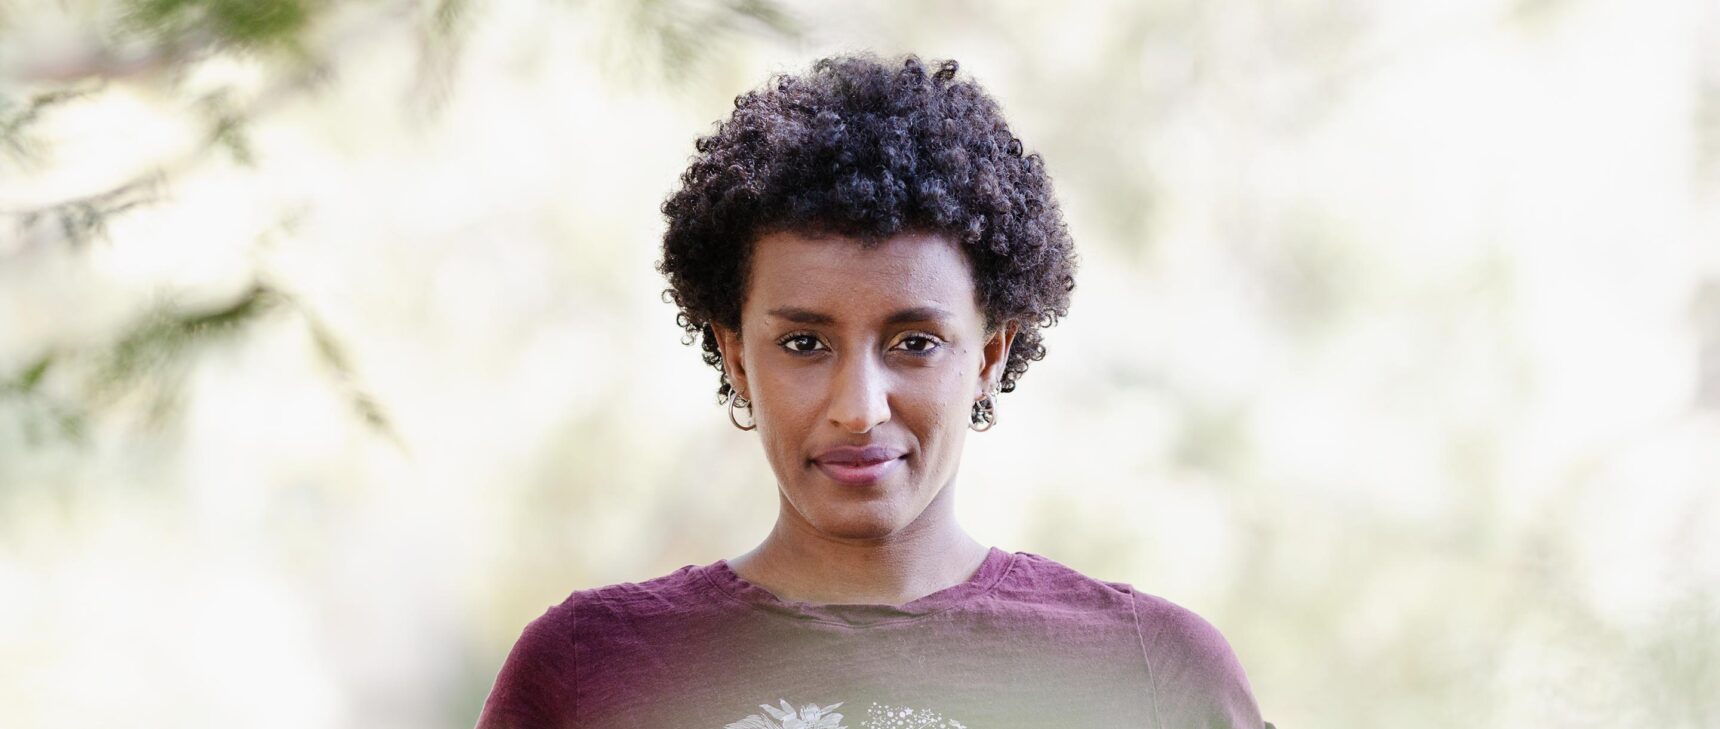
[{"x": 852, "y": 466}]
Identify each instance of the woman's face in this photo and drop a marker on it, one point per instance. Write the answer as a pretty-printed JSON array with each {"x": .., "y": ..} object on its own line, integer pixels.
[{"x": 862, "y": 366}]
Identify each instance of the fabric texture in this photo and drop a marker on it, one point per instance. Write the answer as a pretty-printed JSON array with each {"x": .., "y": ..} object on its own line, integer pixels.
[{"x": 1025, "y": 642}]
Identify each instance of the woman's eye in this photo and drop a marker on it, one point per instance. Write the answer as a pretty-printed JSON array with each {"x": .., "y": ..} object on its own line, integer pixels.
[
  {"x": 919, "y": 345},
  {"x": 801, "y": 343}
]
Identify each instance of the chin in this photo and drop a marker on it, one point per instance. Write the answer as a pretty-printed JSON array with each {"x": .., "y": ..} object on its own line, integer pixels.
[{"x": 856, "y": 523}]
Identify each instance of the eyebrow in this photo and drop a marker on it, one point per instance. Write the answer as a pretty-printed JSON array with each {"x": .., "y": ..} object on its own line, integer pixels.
[{"x": 914, "y": 314}]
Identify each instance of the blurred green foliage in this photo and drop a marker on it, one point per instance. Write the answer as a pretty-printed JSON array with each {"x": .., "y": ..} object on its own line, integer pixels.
[
  {"x": 242, "y": 24},
  {"x": 151, "y": 40}
]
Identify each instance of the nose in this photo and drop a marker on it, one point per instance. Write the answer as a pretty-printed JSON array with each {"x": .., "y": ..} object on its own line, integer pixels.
[{"x": 860, "y": 399}]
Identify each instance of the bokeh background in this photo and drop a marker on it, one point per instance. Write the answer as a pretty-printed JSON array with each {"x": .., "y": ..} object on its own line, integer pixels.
[{"x": 331, "y": 351}]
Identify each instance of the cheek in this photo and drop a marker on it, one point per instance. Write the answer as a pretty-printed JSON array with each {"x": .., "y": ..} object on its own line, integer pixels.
[
  {"x": 791, "y": 394},
  {"x": 958, "y": 378},
  {"x": 788, "y": 409},
  {"x": 944, "y": 399}
]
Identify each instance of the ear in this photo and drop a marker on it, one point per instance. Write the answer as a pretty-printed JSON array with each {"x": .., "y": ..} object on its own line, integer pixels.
[
  {"x": 996, "y": 357},
  {"x": 729, "y": 345}
]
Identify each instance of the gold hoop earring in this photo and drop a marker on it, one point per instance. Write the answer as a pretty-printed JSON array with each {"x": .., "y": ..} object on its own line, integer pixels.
[
  {"x": 738, "y": 401},
  {"x": 984, "y": 414}
]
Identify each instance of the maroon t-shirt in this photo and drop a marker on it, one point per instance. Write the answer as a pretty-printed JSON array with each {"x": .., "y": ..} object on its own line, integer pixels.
[{"x": 1025, "y": 643}]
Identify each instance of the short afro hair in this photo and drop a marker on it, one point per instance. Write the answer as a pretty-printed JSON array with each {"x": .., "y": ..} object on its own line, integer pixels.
[{"x": 868, "y": 150}]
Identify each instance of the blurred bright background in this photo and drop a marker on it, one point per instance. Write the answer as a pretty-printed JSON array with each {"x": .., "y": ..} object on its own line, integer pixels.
[{"x": 331, "y": 351}]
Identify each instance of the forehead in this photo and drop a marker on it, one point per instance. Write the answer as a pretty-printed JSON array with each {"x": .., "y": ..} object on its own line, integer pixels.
[{"x": 839, "y": 276}]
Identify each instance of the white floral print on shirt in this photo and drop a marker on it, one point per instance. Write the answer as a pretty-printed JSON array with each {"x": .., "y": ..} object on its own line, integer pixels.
[
  {"x": 813, "y": 716},
  {"x": 810, "y": 716}
]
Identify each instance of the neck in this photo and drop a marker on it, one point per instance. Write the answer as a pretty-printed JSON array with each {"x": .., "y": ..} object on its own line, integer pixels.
[{"x": 798, "y": 563}]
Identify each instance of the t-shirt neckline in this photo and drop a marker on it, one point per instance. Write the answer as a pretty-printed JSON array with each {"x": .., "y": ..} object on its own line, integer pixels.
[{"x": 997, "y": 563}]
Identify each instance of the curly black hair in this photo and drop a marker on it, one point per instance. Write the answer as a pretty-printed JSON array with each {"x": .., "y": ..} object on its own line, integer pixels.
[{"x": 860, "y": 149}]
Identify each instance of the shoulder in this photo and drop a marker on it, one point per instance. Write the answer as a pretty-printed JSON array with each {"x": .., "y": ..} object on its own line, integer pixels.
[
  {"x": 1174, "y": 632},
  {"x": 536, "y": 683},
  {"x": 657, "y": 596},
  {"x": 1168, "y": 631},
  {"x": 1041, "y": 577},
  {"x": 597, "y": 611},
  {"x": 1197, "y": 679}
]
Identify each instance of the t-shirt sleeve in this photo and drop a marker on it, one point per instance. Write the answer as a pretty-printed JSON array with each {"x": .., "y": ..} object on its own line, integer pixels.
[
  {"x": 1197, "y": 681},
  {"x": 534, "y": 688}
]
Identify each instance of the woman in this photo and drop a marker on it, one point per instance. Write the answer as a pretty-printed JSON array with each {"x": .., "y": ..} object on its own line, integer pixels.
[{"x": 867, "y": 258}]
